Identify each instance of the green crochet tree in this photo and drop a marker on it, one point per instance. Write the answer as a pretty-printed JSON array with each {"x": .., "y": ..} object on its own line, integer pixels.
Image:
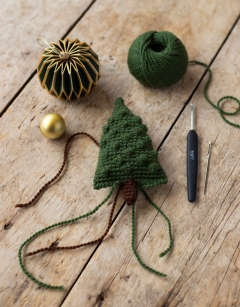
[
  {"x": 126, "y": 159},
  {"x": 126, "y": 152}
]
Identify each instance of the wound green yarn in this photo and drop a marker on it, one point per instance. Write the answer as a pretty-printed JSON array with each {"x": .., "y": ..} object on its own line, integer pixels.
[
  {"x": 157, "y": 59},
  {"x": 126, "y": 152}
]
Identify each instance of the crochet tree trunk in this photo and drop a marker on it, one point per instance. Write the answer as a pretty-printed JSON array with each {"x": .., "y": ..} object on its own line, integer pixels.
[{"x": 126, "y": 152}]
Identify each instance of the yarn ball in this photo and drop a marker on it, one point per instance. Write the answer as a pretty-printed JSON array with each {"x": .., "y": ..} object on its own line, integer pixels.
[
  {"x": 157, "y": 59},
  {"x": 69, "y": 69}
]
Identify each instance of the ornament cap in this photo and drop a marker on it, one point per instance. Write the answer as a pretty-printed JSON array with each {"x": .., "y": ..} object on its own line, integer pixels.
[{"x": 64, "y": 55}]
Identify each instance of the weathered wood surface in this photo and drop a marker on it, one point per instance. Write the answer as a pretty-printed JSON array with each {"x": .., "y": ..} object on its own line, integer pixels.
[
  {"x": 204, "y": 266},
  {"x": 28, "y": 160},
  {"x": 21, "y": 22}
]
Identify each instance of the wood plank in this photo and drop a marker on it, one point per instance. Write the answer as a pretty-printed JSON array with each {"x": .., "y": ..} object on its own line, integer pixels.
[
  {"x": 28, "y": 160},
  {"x": 21, "y": 23},
  {"x": 203, "y": 268}
]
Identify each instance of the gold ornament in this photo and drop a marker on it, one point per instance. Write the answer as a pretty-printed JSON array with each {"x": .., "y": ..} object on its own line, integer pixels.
[
  {"x": 52, "y": 126},
  {"x": 68, "y": 69}
]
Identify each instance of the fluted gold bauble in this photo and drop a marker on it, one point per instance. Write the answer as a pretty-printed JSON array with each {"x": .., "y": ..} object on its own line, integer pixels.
[
  {"x": 52, "y": 126},
  {"x": 69, "y": 69}
]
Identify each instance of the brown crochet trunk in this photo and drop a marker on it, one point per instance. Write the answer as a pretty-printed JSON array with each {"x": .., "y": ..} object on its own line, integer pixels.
[{"x": 129, "y": 189}]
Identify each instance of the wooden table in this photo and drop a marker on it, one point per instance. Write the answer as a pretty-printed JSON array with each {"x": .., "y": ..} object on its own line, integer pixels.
[{"x": 204, "y": 266}]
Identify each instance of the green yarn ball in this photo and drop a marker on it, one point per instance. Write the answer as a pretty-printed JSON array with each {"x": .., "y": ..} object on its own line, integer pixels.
[{"x": 157, "y": 59}]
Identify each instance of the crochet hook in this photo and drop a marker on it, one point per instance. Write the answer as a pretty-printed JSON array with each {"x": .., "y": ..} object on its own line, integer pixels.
[{"x": 192, "y": 159}]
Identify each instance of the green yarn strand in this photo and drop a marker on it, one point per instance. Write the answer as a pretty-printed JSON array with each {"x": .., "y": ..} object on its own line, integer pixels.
[
  {"x": 151, "y": 270},
  {"x": 29, "y": 275},
  {"x": 218, "y": 107},
  {"x": 166, "y": 218}
]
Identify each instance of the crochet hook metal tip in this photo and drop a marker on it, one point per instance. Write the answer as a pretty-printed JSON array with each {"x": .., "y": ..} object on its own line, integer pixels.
[
  {"x": 207, "y": 166},
  {"x": 192, "y": 117}
]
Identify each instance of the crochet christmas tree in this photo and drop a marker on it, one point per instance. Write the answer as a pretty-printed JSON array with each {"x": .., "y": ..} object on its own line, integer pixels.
[
  {"x": 126, "y": 152},
  {"x": 126, "y": 159}
]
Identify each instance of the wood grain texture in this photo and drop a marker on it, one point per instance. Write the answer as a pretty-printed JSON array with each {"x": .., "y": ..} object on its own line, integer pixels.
[
  {"x": 21, "y": 23},
  {"x": 203, "y": 268},
  {"x": 28, "y": 160}
]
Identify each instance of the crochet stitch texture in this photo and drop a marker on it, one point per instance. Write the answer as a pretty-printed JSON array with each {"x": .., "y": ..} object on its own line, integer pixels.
[
  {"x": 157, "y": 59},
  {"x": 126, "y": 152}
]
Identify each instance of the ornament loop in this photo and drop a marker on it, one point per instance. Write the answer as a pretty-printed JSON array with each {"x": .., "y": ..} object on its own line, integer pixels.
[{"x": 42, "y": 42}]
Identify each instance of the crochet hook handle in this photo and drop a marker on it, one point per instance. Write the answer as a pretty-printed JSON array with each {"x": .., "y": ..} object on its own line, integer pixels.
[{"x": 192, "y": 160}]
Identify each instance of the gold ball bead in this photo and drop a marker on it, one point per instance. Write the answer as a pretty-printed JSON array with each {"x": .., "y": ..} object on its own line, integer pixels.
[{"x": 52, "y": 126}]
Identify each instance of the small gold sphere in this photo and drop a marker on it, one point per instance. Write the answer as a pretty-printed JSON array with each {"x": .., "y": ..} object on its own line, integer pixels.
[{"x": 52, "y": 126}]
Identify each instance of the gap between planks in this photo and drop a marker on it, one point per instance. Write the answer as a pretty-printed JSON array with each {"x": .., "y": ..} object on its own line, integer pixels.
[
  {"x": 160, "y": 145},
  {"x": 89, "y": 259},
  {"x": 162, "y": 142},
  {"x": 159, "y": 148},
  {"x": 35, "y": 71}
]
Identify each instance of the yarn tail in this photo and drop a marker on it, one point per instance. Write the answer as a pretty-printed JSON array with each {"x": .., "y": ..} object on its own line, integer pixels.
[
  {"x": 166, "y": 218},
  {"x": 133, "y": 236},
  {"x": 46, "y": 185},
  {"x": 218, "y": 106},
  {"x": 25, "y": 271}
]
